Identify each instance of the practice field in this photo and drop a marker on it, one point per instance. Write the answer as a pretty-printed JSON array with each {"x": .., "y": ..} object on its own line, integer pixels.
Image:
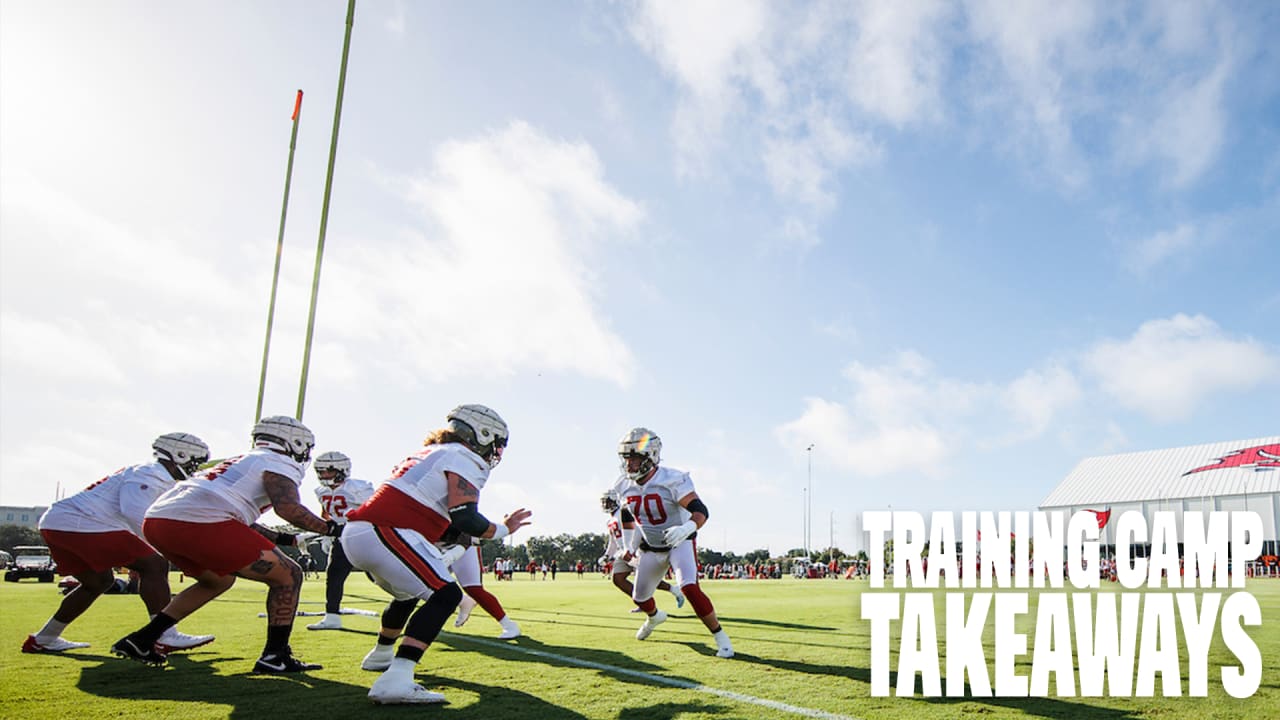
[{"x": 802, "y": 652}]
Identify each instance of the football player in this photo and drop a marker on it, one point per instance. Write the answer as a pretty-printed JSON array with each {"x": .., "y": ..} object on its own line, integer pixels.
[
  {"x": 339, "y": 494},
  {"x": 408, "y": 534},
  {"x": 207, "y": 526},
  {"x": 668, "y": 513},
  {"x": 100, "y": 528},
  {"x": 621, "y": 533},
  {"x": 467, "y": 569}
]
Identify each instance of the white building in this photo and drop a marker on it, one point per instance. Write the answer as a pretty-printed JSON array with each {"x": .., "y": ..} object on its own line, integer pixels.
[
  {"x": 23, "y": 516},
  {"x": 1235, "y": 475}
]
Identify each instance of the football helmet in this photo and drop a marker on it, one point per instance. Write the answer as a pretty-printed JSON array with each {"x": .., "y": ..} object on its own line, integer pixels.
[
  {"x": 644, "y": 443},
  {"x": 609, "y": 502},
  {"x": 185, "y": 450},
  {"x": 481, "y": 429},
  {"x": 286, "y": 434},
  {"x": 333, "y": 460}
]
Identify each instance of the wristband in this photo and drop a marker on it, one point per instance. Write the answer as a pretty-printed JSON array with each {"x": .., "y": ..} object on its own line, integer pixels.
[{"x": 500, "y": 531}]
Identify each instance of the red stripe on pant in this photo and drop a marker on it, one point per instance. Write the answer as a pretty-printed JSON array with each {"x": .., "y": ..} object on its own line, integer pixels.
[{"x": 411, "y": 559}]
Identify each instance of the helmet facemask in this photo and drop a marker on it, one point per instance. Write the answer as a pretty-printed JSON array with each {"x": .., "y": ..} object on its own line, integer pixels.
[
  {"x": 609, "y": 503},
  {"x": 480, "y": 429},
  {"x": 336, "y": 462},
  {"x": 644, "y": 448}
]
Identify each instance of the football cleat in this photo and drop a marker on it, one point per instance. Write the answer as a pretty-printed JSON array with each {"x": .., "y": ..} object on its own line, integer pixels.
[
  {"x": 174, "y": 641},
  {"x": 56, "y": 645},
  {"x": 379, "y": 658},
  {"x": 399, "y": 690},
  {"x": 725, "y": 651},
  {"x": 650, "y": 623},
  {"x": 278, "y": 663},
  {"x": 510, "y": 630},
  {"x": 128, "y": 647},
  {"x": 464, "y": 610},
  {"x": 330, "y": 622}
]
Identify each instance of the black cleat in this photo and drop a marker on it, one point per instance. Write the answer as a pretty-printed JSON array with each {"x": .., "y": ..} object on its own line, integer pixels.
[
  {"x": 282, "y": 662},
  {"x": 127, "y": 647}
]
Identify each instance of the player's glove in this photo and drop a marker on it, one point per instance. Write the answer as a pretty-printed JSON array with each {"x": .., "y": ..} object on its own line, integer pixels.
[
  {"x": 453, "y": 553},
  {"x": 678, "y": 534},
  {"x": 334, "y": 528}
]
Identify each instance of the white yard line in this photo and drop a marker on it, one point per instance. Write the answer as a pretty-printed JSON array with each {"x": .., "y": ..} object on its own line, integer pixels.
[{"x": 673, "y": 682}]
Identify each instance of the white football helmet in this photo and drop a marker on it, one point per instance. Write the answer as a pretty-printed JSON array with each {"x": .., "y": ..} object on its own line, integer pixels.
[
  {"x": 645, "y": 443},
  {"x": 333, "y": 460},
  {"x": 185, "y": 450},
  {"x": 481, "y": 429},
  {"x": 281, "y": 432},
  {"x": 609, "y": 502}
]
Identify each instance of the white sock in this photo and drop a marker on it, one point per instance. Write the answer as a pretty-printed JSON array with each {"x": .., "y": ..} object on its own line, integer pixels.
[
  {"x": 335, "y": 617},
  {"x": 51, "y": 630},
  {"x": 722, "y": 638},
  {"x": 401, "y": 667}
]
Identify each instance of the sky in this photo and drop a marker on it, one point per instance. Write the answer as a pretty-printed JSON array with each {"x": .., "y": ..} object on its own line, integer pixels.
[{"x": 840, "y": 256}]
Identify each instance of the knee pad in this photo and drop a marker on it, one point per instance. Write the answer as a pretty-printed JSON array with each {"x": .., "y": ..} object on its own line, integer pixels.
[{"x": 702, "y": 606}]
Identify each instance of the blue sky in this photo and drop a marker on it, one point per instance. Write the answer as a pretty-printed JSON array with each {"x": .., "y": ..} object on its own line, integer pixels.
[{"x": 956, "y": 247}]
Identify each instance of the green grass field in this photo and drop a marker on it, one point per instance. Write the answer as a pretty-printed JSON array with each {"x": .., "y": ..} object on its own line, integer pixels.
[{"x": 799, "y": 642}]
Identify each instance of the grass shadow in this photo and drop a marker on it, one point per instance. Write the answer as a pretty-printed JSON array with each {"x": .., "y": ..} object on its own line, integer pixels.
[
  {"x": 616, "y": 665},
  {"x": 1037, "y": 706}
]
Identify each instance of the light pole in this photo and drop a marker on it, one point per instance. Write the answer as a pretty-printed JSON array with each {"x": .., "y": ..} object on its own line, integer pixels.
[{"x": 808, "y": 509}]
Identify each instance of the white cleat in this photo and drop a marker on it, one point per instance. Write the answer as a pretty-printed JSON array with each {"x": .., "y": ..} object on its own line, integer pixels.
[
  {"x": 401, "y": 691},
  {"x": 379, "y": 658},
  {"x": 650, "y": 623},
  {"x": 174, "y": 641},
  {"x": 331, "y": 621},
  {"x": 464, "y": 610},
  {"x": 725, "y": 651},
  {"x": 510, "y": 630},
  {"x": 679, "y": 596},
  {"x": 56, "y": 645}
]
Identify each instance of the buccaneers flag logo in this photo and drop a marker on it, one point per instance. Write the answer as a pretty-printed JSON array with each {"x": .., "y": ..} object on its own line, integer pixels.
[{"x": 1258, "y": 458}]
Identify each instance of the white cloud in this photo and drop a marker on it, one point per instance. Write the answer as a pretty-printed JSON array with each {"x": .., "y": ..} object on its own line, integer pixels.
[
  {"x": 1049, "y": 82},
  {"x": 901, "y": 418},
  {"x": 1185, "y": 128},
  {"x": 897, "y": 60},
  {"x": 499, "y": 278},
  {"x": 1171, "y": 365},
  {"x": 907, "y": 417},
  {"x": 1037, "y": 397},
  {"x": 62, "y": 352},
  {"x": 1160, "y": 248}
]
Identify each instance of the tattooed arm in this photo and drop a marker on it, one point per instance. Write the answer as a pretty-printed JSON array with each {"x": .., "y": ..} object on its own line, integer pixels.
[{"x": 284, "y": 499}]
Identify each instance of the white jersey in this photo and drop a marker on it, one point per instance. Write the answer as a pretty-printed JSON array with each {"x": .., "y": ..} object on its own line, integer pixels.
[
  {"x": 116, "y": 502},
  {"x": 614, "y": 534},
  {"x": 656, "y": 504},
  {"x": 336, "y": 502},
  {"x": 416, "y": 496},
  {"x": 231, "y": 490},
  {"x": 421, "y": 475}
]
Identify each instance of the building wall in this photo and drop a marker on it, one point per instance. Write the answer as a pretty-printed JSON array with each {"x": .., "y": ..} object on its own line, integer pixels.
[
  {"x": 23, "y": 516},
  {"x": 1266, "y": 505}
]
